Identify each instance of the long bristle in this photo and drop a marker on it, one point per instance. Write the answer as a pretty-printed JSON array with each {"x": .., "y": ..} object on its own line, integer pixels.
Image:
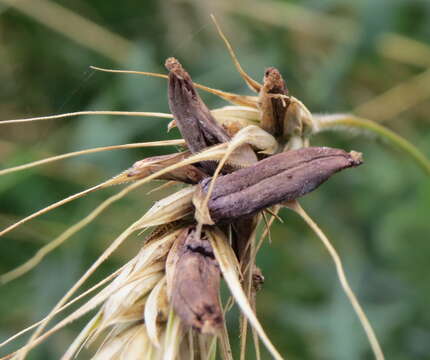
[
  {"x": 373, "y": 340},
  {"x": 81, "y": 113},
  {"x": 90, "y": 151},
  {"x": 253, "y": 85}
]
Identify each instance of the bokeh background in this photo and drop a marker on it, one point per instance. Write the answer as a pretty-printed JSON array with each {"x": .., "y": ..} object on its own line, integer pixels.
[{"x": 368, "y": 57}]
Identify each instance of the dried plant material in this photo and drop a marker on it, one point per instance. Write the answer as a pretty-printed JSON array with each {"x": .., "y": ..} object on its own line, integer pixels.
[
  {"x": 130, "y": 314},
  {"x": 36, "y": 338},
  {"x": 89, "y": 151},
  {"x": 230, "y": 269},
  {"x": 213, "y": 153},
  {"x": 188, "y": 174},
  {"x": 81, "y": 113},
  {"x": 107, "y": 183},
  {"x": 115, "y": 314},
  {"x": 137, "y": 285},
  {"x": 273, "y": 102},
  {"x": 80, "y": 341},
  {"x": 274, "y": 112},
  {"x": 52, "y": 207},
  {"x": 235, "y": 118},
  {"x": 243, "y": 238},
  {"x": 240, "y": 100},
  {"x": 208, "y": 155},
  {"x": 254, "y": 136},
  {"x": 124, "y": 300},
  {"x": 298, "y": 121},
  {"x": 245, "y": 156},
  {"x": 171, "y": 125},
  {"x": 171, "y": 208},
  {"x": 164, "y": 186},
  {"x": 373, "y": 340},
  {"x": 165, "y": 302},
  {"x": 201, "y": 212},
  {"x": 82, "y": 310},
  {"x": 231, "y": 124},
  {"x": 266, "y": 233},
  {"x": 67, "y": 305},
  {"x": 155, "y": 249},
  {"x": 156, "y": 309},
  {"x": 58, "y": 241},
  {"x": 247, "y": 113},
  {"x": 253, "y": 85},
  {"x": 282, "y": 177},
  {"x": 225, "y": 347},
  {"x": 195, "y": 284},
  {"x": 121, "y": 297},
  {"x": 128, "y": 344}
]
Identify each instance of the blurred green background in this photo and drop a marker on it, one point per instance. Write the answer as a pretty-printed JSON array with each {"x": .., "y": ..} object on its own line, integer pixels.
[{"x": 367, "y": 57}]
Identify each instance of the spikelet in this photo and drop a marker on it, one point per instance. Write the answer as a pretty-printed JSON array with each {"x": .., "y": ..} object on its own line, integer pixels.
[{"x": 165, "y": 303}]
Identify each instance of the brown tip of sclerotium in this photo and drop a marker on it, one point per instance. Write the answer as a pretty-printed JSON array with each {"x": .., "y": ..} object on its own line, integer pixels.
[
  {"x": 273, "y": 74},
  {"x": 357, "y": 158},
  {"x": 174, "y": 66},
  {"x": 273, "y": 80}
]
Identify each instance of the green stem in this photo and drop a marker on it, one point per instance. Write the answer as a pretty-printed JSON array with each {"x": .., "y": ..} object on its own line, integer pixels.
[{"x": 330, "y": 122}]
